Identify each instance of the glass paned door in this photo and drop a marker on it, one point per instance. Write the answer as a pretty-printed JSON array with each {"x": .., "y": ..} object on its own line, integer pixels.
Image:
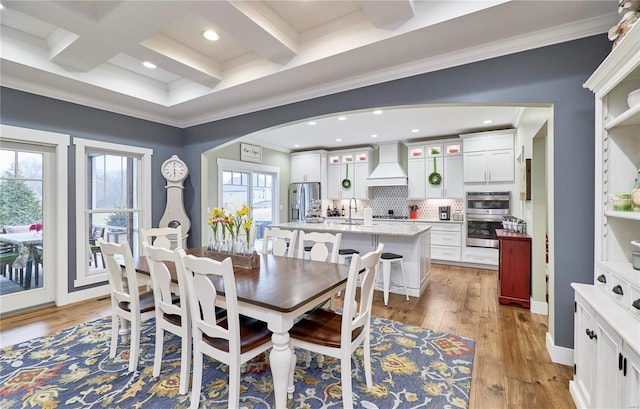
[
  {"x": 254, "y": 189},
  {"x": 21, "y": 219}
]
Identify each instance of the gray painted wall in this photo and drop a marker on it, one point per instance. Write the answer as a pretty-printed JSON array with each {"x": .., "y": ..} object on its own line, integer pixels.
[
  {"x": 36, "y": 112},
  {"x": 552, "y": 74}
]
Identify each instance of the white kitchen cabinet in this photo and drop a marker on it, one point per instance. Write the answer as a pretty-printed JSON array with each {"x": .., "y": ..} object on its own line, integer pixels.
[
  {"x": 443, "y": 156},
  {"x": 446, "y": 240},
  {"x": 359, "y": 166},
  {"x": 489, "y": 157},
  {"x": 309, "y": 166},
  {"x": 607, "y": 368},
  {"x": 615, "y": 295}
]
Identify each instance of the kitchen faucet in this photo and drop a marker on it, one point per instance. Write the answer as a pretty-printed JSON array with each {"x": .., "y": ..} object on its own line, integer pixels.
[{"x": 355, "y": 207}]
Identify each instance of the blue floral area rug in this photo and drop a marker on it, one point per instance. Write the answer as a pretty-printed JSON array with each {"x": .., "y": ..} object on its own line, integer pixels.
[{"x": 412, "y": 367}]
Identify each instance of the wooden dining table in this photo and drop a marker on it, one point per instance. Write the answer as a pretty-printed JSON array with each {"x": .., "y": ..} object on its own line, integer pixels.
[{"x": 280, "y": 290}]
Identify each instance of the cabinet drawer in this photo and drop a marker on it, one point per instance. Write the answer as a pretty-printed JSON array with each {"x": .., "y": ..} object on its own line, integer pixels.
[
  {"x": 445, "y": 227},
  {"x": 445, "y": 238},
  {"x": 445, "y": 253},
  {"x": 616, "y": 286}
]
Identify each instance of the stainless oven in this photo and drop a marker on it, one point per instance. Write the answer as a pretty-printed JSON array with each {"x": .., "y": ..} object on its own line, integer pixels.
[{"x": 484, "y": 215}]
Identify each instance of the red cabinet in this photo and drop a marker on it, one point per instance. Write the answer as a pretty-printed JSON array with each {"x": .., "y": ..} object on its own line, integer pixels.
[{"x": 514, "y": 272}]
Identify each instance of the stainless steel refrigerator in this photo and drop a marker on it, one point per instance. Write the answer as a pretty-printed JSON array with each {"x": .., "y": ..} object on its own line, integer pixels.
[{"x": 300, "y": 197}]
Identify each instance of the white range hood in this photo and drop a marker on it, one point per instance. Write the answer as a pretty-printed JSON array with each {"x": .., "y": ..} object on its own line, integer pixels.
[{"x": 388, "y": 172}]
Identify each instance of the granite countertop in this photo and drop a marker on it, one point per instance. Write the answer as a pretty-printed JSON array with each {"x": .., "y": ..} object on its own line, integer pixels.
[
  {"x": 388, "y": 229},
  {"x": 339, "y": 219}
]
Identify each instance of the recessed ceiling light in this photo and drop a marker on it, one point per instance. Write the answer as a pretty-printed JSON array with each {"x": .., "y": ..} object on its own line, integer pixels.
[
  {"x": 1, "y": 6},
  {"x": 375, "y": 135},
  {"x": 377, "y": 112},
  {"x": 342, "y": 118},
  {"x": 211, "y": 35},
  {"x": 487, "y": 121},
  {"x": 312, "y": 122},
  {"x": 149, "y": 65},
  {"x": 415, "y": 130},
  {"x": 338, "y": 140},
  {"x": 296, "y": 145}
]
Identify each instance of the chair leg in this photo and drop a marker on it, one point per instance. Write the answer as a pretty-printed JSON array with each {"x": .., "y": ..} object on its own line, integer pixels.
[
  {"x": 134, "y": 346},
  {"x": 386, "y": 278},
  {"x": 404, "y": 279},
  {"x": 185, "y": 364},
  {"x": 347, "y": 391},
  {"x": 115, "y": 333},
  {"x": 157, "y": 355},
  {"x": 367, "y": 357},
  {"x": 234, "y": 385},
  {"x": 197, "y": 377}
]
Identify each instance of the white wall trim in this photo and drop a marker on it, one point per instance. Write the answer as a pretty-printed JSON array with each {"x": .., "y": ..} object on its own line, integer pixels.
[
  {"x": 539, "y": 307},
  {"x": 228, "y": 164},
  {"x": 559, "y": 355}
]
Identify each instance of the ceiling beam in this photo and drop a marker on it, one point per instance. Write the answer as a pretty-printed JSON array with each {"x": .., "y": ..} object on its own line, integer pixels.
[{"x": 384, "y": 12}]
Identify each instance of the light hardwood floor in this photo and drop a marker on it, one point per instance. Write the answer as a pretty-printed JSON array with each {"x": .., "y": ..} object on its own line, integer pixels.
[{"x": 512, "y": 368}]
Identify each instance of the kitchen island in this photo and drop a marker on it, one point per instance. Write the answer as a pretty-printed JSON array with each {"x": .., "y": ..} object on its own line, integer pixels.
[{"x": 411, "y": 240}]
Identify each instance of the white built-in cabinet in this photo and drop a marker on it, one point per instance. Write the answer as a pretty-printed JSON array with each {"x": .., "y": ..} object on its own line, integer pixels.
[
  {"x": 446, "y": 240},
  {"x": 607, "y": 313},
  {"x": 489, "y": 157},
  {"x": 308, "y": 166},
  {"x": 353, "y": 164},
  {"x": 444, "y": 157}
]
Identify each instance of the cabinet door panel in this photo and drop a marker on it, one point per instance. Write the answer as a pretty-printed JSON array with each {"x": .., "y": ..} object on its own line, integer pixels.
[
  {"x": 584, "y": 354},
  {"x": 333, "y": 182},
  {"x": 359, "y": 180},
  {"x": 453, "y": 177},
  {"x": 434, "y": 191},
  {"x": 631, "y": 388},
  {"x": 500, "y": 165},
  {"x": 417, "y": 179},
  {"x": 608, "y": 350},
  {"x": 475, "y": 166}
]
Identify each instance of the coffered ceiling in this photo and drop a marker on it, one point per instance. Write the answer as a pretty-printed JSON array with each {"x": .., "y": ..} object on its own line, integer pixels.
[{"x": 269, "y": 52}]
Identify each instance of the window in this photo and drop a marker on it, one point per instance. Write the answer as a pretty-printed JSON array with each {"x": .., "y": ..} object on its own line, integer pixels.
[
  {"x": 113, "y": 193},
  {"x": 251, "y": 184}
]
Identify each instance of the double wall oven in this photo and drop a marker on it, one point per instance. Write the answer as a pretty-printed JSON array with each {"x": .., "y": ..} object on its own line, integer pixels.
[{"x": 484, "y": 215}]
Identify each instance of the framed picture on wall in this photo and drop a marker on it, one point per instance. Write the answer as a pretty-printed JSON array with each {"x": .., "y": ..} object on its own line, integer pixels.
[
  {"x": 250, "y": 153},
  {"x": 525, "y": 185}
]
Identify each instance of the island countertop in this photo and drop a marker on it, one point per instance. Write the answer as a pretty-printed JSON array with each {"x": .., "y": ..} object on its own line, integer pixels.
[{"x": 388, "y": 229}]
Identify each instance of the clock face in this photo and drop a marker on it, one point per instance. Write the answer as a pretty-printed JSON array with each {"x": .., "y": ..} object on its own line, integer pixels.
[{"x": 174, "y": 170}]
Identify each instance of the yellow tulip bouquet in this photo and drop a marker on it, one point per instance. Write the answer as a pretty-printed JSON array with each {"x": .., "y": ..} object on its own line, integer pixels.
[{"x": 230, "y": 223}]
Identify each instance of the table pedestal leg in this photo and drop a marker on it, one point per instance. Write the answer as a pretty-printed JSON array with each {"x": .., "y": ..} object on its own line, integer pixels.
[{"x": 280, "y": 362}]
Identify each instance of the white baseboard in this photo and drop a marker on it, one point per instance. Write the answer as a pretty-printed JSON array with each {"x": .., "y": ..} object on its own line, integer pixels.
[
  {"x": 559, "y": 355},
  {"x": 83, "y": 295},
  {"x": 538, "y": 307}
]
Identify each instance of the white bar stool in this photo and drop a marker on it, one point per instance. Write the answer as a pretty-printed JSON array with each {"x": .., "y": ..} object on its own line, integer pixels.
[
  {"x": 344, "y": 255},
  {"x": 387, "y": 259}
]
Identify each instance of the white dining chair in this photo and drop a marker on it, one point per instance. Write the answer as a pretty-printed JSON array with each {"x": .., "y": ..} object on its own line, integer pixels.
[
  {"x": 317, "y": 246},
  {"x": 337, "y": 335},
  {"x": 233, "y": 341},
  {"x": 165, "y": 237},
  {"x": 283, "y": 242},
  {"x": 172, "y": 312},
  {"x": 127, "y": 303}
]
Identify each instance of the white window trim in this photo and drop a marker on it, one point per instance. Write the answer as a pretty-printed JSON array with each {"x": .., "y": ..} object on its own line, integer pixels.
[
  {"x": 82, "y": 145},
  {"x": 57, "y": 210}
]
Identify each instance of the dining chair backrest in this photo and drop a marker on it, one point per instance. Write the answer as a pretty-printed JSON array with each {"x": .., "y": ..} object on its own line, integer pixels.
[
  {"x": 198, "y": 273},
  {"x": 157, "y": 259},
  {"x": 123, "y": 285},
  {"x": 171, "y": 314},
  {"x": 319, "y": 250},
  {"x": 165, "y": 237},
  {"x": 362, "y": 270},
  {"x": 282, "y": 242}
]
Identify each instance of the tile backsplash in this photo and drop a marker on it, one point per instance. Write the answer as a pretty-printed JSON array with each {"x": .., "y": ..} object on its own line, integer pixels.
[{"x": 385, "y": 198}]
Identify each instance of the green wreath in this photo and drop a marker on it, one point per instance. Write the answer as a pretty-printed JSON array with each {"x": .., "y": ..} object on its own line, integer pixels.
[{"x": 435, "y": 178}]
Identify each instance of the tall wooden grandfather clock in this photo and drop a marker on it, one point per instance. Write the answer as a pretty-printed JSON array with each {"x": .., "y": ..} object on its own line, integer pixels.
[{"x": 175, "y": 171}]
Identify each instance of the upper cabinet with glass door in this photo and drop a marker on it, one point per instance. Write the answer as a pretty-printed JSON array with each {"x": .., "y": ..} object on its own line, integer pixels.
[
  {"x": 347, "y": 173},
  {"x": 435, "y": 169}
]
